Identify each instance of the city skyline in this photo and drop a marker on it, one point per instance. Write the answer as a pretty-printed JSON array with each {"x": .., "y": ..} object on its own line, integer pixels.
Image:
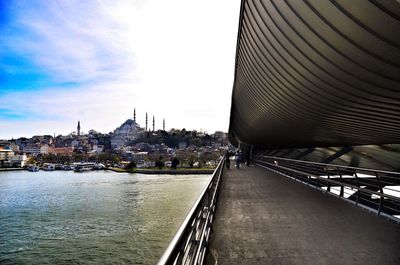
[
  {"x": 96, "y": 61},
  {"x": 78, "y": 131}
]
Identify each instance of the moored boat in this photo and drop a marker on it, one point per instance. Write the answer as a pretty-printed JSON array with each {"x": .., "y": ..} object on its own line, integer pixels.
[
  {"x": 83, "y": 167},
  {"x": 33, "y": 168},
  {"x": 48, "y": 167},
  {"x": 67, "y": 167}
]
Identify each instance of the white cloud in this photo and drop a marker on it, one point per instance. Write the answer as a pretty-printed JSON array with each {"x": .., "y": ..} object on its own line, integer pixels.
[
  {"x": 173, "y": 59},
  {"x": 73, "y": 41}
]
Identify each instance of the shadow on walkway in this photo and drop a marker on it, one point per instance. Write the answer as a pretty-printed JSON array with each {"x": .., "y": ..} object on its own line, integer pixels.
[{"x": 266, "y": 218}]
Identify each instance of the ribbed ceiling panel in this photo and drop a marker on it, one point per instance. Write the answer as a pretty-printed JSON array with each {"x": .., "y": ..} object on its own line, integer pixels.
[{"x": 317, "y": 73}]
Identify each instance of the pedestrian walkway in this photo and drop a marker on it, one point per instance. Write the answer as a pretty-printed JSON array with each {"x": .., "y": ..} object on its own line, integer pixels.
[{"x": 266, "y": 218}]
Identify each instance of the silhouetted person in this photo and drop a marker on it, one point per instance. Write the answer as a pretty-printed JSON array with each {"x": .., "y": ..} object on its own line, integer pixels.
[
  {"x": 238, "y": 159},
  {"x": 174, "y": 162},
  {"x": 227, "y": 159}
]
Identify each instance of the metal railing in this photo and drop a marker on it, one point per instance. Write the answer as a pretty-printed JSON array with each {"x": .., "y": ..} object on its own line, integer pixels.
[
  {"x": 189, "y": 245},
  {"x": 376, "y": 190}
]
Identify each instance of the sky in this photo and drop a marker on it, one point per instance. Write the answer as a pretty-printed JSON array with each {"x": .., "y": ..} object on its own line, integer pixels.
[{"x": 96, "y": 60}]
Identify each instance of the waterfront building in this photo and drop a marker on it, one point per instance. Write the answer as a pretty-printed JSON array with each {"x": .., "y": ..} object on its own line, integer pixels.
[
  {"x": 4, "y": 143},
  {"x": 97, "y": 148},
  {"x": 61, "y": 150},
  {"x": 5, "y": 155},
  {"x": 36, "y": 149},
  {"x": 18, "y": 160},
  {"x": 15, "y": 147},
  {"x": 139, "y": 157}
]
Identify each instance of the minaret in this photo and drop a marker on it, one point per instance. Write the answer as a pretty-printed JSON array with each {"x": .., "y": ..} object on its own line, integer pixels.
[
  {"x": 146, "y": 121},
  {"x": 79, "y": 128},
  {"x": 153, "y": 123},
  {"x": 134, "y": 115},
  {"x": 163, "y": 124}
]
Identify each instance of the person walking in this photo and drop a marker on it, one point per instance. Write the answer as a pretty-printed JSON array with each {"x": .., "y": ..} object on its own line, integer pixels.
[
  {"x": 238, "y": 159},
  {"x": 227, "y": 159}
]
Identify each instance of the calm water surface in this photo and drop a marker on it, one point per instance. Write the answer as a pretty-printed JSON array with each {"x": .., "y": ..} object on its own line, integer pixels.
[{"x": 99, "y": 217}]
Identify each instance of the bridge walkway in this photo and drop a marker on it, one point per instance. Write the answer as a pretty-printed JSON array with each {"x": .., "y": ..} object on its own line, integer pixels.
[{"x": 266, "y": 218}]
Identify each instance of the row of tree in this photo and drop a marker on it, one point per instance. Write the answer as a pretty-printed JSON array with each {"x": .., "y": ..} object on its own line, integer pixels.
[
  {"x": 174, "y": 137},
  {"x": 104, "y": 158}
]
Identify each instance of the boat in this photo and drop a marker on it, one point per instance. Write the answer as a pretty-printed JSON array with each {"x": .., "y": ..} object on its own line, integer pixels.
[
  {"x": 48, "y": 167},
  {"x": 67, "y": 167},
  {"x": 99, "y": 166},
  {"x": 33, "y": 168},
  {"x": 83, "y": 167}
]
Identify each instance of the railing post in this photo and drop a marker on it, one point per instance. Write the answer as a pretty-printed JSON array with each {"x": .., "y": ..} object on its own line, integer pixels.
[
  {"x": 388, "y": 203},
  {"x": 328, "y": 187},
  {"x": 341, "y": 183},
  {"x": 381, "y": 200},
  {"x": 190, "y": 242},
  {"x": 359, "y": 188}
]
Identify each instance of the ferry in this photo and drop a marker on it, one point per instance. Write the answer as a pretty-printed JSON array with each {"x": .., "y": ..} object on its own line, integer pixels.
[{"x": 83, "y": 167}]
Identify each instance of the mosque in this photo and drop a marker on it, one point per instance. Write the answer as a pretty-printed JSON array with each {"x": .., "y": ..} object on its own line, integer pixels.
[{"x": 129, "y": 131}]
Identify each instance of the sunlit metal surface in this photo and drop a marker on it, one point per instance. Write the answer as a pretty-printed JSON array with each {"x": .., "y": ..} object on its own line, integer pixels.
[{"x": 317, "y": 73}]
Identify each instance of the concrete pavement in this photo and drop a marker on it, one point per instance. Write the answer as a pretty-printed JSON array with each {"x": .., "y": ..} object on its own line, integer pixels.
[{"x": 266, "y": 218}]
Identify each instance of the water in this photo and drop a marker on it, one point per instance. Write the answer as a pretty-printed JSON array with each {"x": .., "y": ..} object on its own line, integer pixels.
[{"x": 91, "y": 218}]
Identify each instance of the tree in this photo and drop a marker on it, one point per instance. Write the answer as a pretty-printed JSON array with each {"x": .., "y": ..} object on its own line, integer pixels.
[
  {"x": 196, "y": 141},
  {"x": 108, "y": 157},
  {"x": 174, "y": 162},
  {"x": 131, "y": 165},
  {"x": 78, "y": 157},
  {"x": 31, "y": 161},
  {"x": 192, "y": 159},
  {"x": 159, "y": 163},
  {"x": 191, "y": 163}
]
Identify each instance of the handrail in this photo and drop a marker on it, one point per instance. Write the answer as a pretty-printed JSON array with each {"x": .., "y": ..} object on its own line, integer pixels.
[
  {"x": 338, "y": 183},
  {"x": 369, "y": 191},
  {"x": 190, "y": 241},
  {"x": 337, "y": 166}
]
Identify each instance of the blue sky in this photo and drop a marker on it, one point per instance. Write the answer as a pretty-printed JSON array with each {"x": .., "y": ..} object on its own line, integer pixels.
[{"x": 97, "y": 60}]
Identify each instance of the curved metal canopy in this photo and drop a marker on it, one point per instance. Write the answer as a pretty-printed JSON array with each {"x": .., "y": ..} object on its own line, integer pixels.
[{"x": 317, "y": 73}]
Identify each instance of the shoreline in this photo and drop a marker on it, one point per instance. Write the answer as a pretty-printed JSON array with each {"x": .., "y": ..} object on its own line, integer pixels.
[
  {"x": 11, "y": 169},
  {"x": 165, "y": 171},
  {"x": 143, "y": 171}
]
